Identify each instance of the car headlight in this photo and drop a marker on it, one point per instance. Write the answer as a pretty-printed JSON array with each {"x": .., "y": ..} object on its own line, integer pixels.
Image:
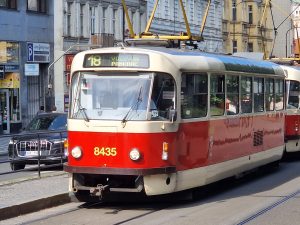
[
  {"x": 134, "y": 154},
  {"x": 76, "y": 152}
]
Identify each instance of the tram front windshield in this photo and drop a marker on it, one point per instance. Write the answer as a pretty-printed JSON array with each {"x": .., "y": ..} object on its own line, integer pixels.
[{"x": 136, "y": 96}]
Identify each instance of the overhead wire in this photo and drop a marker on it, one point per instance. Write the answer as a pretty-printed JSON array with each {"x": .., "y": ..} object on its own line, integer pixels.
[
  {"x": 276, "y": 28},
  {"x": 275, "y": 31}
]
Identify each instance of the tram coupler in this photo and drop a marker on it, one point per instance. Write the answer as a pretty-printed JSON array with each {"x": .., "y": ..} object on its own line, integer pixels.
[{"x": 98, "y": 191}]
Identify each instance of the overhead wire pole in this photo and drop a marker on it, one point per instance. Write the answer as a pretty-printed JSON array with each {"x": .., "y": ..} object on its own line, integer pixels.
[
  {"x": 261, "y": 25},
  {"x": 204, "y": 19},
  {"x": 288, "y": 16},
  {"x": 131, "y": 33},
  {"x": 148, "y": 35},
  {"x": 275, "y": 31}
]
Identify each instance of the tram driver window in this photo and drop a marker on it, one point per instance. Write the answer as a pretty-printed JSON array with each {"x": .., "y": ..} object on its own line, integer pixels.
[
  {"x": 293, "y": 95},
  {"x": 194, "y": 95},
  {"x": 217, "y": 95},
  {"x": 246, "y": 94}
]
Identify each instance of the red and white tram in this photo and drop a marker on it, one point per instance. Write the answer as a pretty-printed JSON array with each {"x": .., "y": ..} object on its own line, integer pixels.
[
  {"x": 292, "y": 121},
  {"x": 160, "y": 120}
]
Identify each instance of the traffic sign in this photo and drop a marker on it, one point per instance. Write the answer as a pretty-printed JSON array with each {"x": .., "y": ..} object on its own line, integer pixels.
[{"x": 30, "y": 52}]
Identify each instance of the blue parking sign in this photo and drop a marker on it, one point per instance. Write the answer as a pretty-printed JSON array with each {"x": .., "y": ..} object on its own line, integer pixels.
[{"x": 30, "y": 52}]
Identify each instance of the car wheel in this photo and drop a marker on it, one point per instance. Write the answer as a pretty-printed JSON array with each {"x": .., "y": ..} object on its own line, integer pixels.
[{"x": 15, "y": 166}]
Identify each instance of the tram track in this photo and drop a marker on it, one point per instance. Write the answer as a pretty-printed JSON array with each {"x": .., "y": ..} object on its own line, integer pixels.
[
  {"x": 114, "y": 210},
  {"x": 268, "y": 208}
]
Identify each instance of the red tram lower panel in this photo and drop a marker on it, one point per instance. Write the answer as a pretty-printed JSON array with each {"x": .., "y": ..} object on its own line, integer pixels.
[{"x": 197, "y": 154}]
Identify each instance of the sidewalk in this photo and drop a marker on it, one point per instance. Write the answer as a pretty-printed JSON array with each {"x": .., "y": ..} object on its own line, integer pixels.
[
  {"x": 29, "y": 195},
  {"x": 4, "y": 145}
]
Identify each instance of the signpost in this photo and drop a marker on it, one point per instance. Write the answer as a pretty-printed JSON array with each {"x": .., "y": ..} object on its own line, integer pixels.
[{"x": 2, "y": 71}]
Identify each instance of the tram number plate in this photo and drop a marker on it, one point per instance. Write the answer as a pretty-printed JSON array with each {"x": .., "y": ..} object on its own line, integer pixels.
[
  {"x": 31, "y": 153},
  {"x": 105, "y": 151}
]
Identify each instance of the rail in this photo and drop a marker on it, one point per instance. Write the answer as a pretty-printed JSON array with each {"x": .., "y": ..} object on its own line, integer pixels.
[{"x": 42, "y": 150}]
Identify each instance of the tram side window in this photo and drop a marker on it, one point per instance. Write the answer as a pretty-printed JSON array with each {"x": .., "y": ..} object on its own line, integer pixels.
[
  {"x": 232, "y": 99},
  {"x": 246, "y": 94},
  {"x": 217, "y": 95},
  {"x": 259, "y": 95},
  {"x": 279, "y": 89},
  {"x": 194, "y": 92},
  {"x": 293, "y": 95},
  {"x": 270, "y": 95}
]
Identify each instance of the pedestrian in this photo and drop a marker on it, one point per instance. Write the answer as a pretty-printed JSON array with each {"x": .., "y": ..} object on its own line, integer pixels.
[{"x": 42, "y": 110}]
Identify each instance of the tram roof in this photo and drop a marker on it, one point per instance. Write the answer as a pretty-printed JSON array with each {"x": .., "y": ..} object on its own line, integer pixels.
[
  {"x": 292, "y": 72},
  {"x": 187, "y": 59},
  {"x": 231, "y": 63}
]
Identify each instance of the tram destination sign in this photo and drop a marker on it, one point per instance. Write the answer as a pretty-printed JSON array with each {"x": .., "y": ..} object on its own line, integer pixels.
[{"x": 125, "y": 60}]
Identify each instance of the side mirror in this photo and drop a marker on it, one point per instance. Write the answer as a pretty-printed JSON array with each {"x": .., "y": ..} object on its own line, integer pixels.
[{"x": 172, "y": 115}]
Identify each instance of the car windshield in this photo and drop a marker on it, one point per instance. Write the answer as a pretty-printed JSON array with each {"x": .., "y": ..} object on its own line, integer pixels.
[
  {"x": 48, "y": 122},
  {"x": 125, "y": 96}
]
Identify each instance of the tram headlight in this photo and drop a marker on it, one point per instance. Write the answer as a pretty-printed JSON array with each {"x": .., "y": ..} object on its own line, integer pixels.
[
  {"x": 165, "y": 149},
  {"x": 76, "y": 152},
  {"x": 134, "y": 154}
]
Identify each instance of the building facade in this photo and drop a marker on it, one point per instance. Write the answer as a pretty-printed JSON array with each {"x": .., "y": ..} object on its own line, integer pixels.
[
  {"x": 168, "y": 19},
  {"x": 82, "y": 24},
  {"x": 26, "y": 50},
  {"x": 296, "y": 28},
  {"x": 246, "y": 28}
]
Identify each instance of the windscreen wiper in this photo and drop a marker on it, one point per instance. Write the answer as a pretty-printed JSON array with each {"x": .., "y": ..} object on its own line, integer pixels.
[
  {"x": 136, "y": 104},
  {"x": 83, "y": 111}
]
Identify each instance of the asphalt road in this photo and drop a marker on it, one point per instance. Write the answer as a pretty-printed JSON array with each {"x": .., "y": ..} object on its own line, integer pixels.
[{"x": 262, "y": 198}]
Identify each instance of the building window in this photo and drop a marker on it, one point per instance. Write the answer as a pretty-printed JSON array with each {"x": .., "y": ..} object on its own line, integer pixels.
[
  {"x": 234, "y": 10},
  {"x": 250, "y": 47},
  {"x": 167, "y": 10},
  {"x": 81, "y": 19},
  {"x": 103, "y": 20},
  {"x": 68, "y": 12},
  {"x": 250, "y": 14},
  {"x": 37, "y": 6},
  {"x": 234, "y": 46},
  {"x": 93, "y": 20},
  {"x": 10, "y": 4},
  {"x": 115, "y": 13}
]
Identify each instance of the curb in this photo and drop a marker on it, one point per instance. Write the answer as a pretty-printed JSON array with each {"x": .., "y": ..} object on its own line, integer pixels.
[
  {"x": 3, "y": 153},
  {"x": 33, "y": 206}
]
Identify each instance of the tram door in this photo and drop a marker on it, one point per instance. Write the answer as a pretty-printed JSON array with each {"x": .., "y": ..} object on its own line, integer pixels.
[{"x": 4, "y": 111}]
